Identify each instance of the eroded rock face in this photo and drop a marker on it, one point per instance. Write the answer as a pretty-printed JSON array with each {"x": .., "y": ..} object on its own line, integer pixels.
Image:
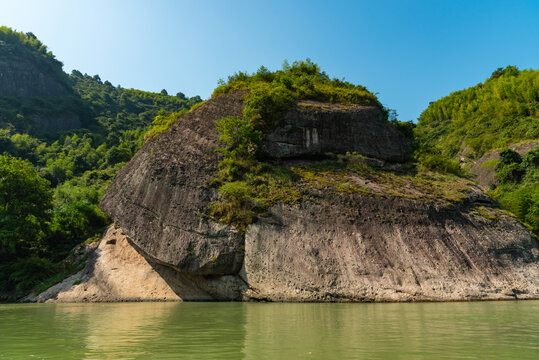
[
  {"x": 24, "y": 79},
  {"x": 160, "y": 196},
  {"x": 341, "y": 247},
  {"x": 363, "y": 248},
  {"x": 314, "y": 128},
  {"x": 117, "y": 270}
]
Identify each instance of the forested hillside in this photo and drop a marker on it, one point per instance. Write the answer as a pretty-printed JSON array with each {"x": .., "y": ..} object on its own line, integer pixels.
[
  {"x": 501, "y": 111},
  {"x": 52, "y": 180},
  {"x": 467, "y": 124}
]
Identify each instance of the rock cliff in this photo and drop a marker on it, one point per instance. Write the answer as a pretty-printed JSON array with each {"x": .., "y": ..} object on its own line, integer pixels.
[
  {"x": 314, "y": 128},
  {"x": 21, "y": 77},
  {"x": 351, "y": 237},
  {"x": 41, "y": 90}
]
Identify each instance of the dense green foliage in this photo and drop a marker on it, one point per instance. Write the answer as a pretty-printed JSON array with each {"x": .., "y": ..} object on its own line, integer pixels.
[
  {"x": 18, "y": 45},
  {"x": 64, "y": 173},
  {"x": 501, "y": 111},
  {"x": 519, "y": 185},
  {"x": 246, "y": 185},
  {"x": 272, "y": 93},
  {"x": 25, "y": 204}
]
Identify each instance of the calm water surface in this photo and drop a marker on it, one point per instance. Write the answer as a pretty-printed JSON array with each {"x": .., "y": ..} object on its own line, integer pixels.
[{"x": 487, "y": 330}]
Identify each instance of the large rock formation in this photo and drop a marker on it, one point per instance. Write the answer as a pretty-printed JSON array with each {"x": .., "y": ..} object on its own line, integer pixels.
[
  {"x": 361, "y": 248},
  {"x": 330, "y": 246},
  {"x": 162, "y": 193}
]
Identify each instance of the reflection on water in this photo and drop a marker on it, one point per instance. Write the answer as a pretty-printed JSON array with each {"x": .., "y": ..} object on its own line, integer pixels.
[
  {"x": 496, "y": 330},
  {"x": 491, "y": 330}
]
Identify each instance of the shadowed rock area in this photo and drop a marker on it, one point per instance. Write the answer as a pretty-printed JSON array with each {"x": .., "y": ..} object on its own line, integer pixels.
[
  {"x": 24, "y": 79},
  {"x": 314, "y": 128},
  {"x": 330, "y": 246}
]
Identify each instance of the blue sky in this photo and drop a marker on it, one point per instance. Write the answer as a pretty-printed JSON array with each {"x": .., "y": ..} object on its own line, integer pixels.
[{"x": 408, "y": 52}]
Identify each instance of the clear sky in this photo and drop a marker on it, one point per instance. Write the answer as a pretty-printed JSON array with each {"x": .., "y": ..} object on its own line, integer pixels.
[{"x": 409, "y": 52}]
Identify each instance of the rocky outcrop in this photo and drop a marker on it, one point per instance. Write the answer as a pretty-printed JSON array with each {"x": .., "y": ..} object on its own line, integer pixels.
[
  {"x": 161, "y": 195},
  {"x": 361, "y": 248},
  {"x": 114, "y": 271},
  {"x": 24, "y": 79},
  {"x": 117, "y": 271},
  {"x": 484, "y": 168},
  {"x": 314, "y": 128},
  {"x": 330, "y": 246}
]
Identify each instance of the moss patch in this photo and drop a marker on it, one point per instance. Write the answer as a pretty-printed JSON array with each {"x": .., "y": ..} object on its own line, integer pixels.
[
  {"x": 489, "y": 163},
  {"x": 351, "y": 174},
  {"x": 242, "y": 202}
]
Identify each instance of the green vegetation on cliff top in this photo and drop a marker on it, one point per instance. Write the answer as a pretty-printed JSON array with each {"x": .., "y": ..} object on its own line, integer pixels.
[
  {"x": 501, "y": 111},
  {"x": 16, "y": 45},
  {"x": 248, "y": 186}
]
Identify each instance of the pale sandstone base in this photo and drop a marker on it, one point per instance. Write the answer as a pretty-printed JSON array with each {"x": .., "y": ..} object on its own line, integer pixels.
[{"x": 115, "y": 272}]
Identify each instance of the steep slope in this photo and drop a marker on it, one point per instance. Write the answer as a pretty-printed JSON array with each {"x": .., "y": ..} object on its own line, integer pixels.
[
  {"x": 34, "y": 91},
  {"x": 491, "y": 115},
  {"x": 27, "y": 69}
]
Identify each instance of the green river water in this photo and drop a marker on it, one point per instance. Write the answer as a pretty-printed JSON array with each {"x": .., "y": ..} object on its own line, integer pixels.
[{"x": 477, "y": 330}]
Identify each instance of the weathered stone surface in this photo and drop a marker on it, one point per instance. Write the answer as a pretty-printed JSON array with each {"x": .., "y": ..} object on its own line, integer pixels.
[
  {"x": 159, "y": 197},
  {"x": 117, "y": 271},
  {"x": 23, "y": 78},
  {"x": 376, "y": 249},
  {"x": 314, "y": 128}
]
